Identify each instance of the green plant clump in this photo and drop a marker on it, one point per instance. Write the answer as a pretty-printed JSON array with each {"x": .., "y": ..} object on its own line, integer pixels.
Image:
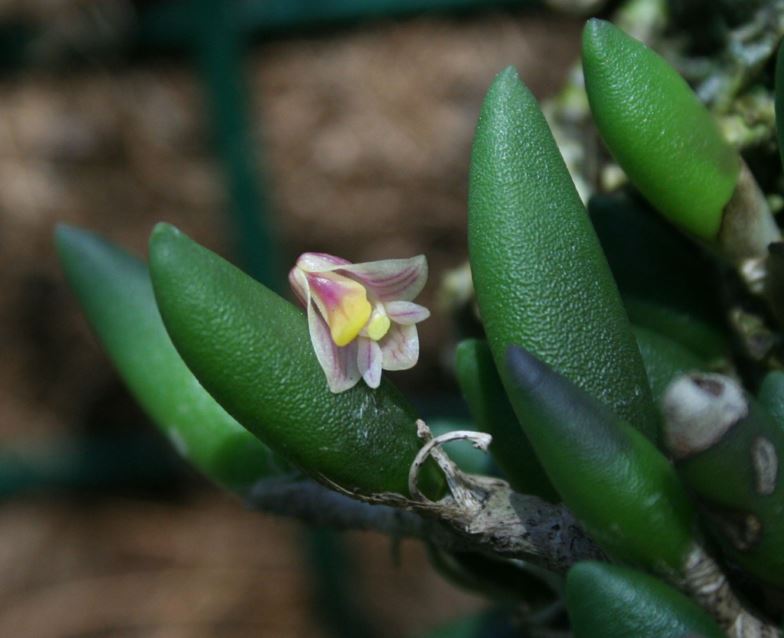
[{"x": 634, "y": 482}]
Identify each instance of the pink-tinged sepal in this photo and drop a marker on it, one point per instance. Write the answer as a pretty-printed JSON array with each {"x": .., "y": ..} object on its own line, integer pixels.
[
  {"x": 369, "y": 360},
  {"x": 406, "y": 312},
  {"x": 339, "y": 364},
  {"x": 299, "y": 284},
  {"x": 400, "y": 348},
  {"x": 320, "y": 262},
  {"x": 391, "y": 279}
]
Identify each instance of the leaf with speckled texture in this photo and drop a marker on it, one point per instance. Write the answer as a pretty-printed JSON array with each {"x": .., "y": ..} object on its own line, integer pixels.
[
  {"x": 541, "y": 278},
  {"x": 251, "y": 350},
  {"x": 658, "y": 131}
]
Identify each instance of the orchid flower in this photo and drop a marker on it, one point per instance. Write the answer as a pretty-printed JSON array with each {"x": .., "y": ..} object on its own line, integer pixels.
[{"x": 361, "y": 317}]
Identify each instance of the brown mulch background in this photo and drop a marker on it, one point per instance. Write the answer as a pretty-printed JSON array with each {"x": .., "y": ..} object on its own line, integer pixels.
[
  {"x": 366, "y": 136},
  {"x": 201, "y": 567}
]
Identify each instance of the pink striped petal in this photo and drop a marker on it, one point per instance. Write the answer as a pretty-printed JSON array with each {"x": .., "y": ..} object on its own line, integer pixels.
[
  {"x": 320, "y": 262},
  {"x": 369, "y": 359},
  {"x": 339, "y": 364},
  {"x": 406, "y": 312},
  {"x": 400, "y": 348},
  {"x": 391, "y": 279}
]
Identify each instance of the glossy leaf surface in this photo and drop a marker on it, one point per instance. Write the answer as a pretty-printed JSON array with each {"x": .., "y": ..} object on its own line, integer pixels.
[
  {"x": 615, "y": 481},
  {"x": 611, "y": 601}
]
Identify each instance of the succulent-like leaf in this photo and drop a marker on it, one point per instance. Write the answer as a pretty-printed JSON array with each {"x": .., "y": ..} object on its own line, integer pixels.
[
  {"x": 662, "y": 136},
  {"x": 615, "y": 481},
  {"x": 667, "y": 286},
  {"x": 115, "y": 293},
  {"x": 611, "y": 601},
  {"x": 251, "y": 349},
  {"x": 483, "y": 391},
  {"x": 541, "y": 279}
]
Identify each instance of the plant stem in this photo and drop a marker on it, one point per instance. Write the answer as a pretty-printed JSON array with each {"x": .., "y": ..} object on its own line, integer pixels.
[{"x": 509, "y": 524}]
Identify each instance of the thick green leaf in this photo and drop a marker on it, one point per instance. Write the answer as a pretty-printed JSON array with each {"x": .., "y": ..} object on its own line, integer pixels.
[
  {"x": 691, "y": 333},
  {"x": 115, "y": 293},
  {"x": 667, "y": 284},
  {"x": 610, "y": 601},
  {"x": 486, "y": 398},
  {"x": 614, "y": 480},
  {"x": 251, "y": 350},
  {"x": 658, "y": 131},
  {"x": 540, "y": 276}
]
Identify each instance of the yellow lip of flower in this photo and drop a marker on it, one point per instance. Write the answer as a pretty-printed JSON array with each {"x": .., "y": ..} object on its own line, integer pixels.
[
  {"x": 343, "y": 303},
  {"x": 378, "y": 325}
]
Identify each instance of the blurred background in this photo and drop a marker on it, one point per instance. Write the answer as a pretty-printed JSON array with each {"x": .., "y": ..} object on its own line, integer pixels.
[{"x": 263, "y": 129}]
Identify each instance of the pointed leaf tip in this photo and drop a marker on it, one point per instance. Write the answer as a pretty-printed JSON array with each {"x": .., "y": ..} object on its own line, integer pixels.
[
  {"x": 62, "y": 231},
  {"x": 162, "y": 231},
  {"x": 516, "y": 173},
  {"x": 162, "y": 228},
  {"x": 509, "y": 73},
  {"x": 596, "y": 27}
]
